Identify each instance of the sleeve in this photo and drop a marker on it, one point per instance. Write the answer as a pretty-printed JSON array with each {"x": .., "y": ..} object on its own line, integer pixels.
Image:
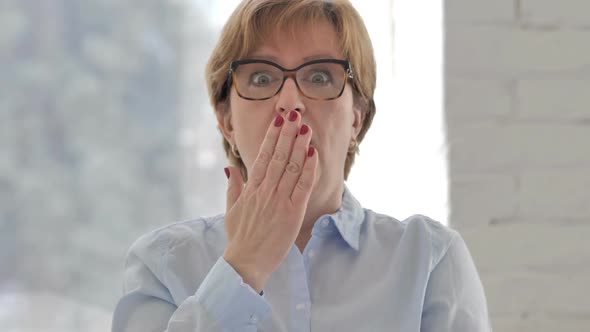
[
  {"x": 455, "y": 299},
  {"x": 223, "y": 302}
]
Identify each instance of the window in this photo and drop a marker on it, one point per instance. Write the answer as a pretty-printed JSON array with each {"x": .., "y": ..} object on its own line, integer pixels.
[{"x": 402, "y": 166}]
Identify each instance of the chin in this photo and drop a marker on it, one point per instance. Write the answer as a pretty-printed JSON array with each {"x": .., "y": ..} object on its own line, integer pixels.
[{"x": 318, "y": 175}]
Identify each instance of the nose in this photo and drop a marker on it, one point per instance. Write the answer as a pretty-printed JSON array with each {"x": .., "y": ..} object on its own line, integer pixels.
[{"x": 289, "y": 98}]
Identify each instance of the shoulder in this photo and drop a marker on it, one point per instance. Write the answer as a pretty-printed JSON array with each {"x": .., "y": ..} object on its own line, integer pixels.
[
  {"x": 161, "y": 241},
  {"x": 418, "y": 233},
  {"x": 439, "y": 236},
  {"x": 176, "y": 256}
]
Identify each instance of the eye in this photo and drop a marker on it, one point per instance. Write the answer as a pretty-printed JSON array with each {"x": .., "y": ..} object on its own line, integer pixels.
[
  {"x": 320, "y": 78},
  {"x": 260, "y": 79}
]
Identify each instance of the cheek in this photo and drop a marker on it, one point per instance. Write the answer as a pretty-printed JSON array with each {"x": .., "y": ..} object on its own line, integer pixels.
[
  {"x": 336, "y": 132},
  {"x": 250, "y": 133}
]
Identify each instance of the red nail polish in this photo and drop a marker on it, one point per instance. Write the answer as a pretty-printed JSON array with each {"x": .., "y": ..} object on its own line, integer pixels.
[
  {"x": 292, "y": 116},
  {"x": 226, "y": 172},
  {"x": 310, "y": 151},
  {"x": 279, "y": 121},
  {"x": 304, "y": 129}
]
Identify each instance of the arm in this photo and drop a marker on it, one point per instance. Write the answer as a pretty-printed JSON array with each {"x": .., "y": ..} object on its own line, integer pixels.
[
  {"x": 455, "y": 299},
  {"x": 223, "y": 302}
]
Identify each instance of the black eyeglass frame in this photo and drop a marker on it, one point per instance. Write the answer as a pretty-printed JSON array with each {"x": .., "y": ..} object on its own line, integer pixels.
[{"x": 288, "y": 73}]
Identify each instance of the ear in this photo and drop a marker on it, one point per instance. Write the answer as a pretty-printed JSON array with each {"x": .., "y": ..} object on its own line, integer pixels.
[
  {"x": 224, "y": 121},
  {"x": 359, "y": 119}
]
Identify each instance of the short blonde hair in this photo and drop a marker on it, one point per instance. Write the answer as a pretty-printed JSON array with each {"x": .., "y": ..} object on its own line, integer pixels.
[{"x": 255, "y": 20}]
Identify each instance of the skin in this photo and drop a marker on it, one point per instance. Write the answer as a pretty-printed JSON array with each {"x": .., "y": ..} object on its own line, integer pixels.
[{"x": 250, "y": 126}]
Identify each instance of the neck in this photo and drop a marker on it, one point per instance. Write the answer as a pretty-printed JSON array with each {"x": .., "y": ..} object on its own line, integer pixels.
[{"x": 321, "y": 202}]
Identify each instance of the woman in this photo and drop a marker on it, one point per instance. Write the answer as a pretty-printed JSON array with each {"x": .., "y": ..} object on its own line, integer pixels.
[{"x": 292, "y": 86}]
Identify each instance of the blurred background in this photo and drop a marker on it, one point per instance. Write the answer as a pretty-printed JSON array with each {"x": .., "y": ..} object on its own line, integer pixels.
[{"x": 106, "y": 133}]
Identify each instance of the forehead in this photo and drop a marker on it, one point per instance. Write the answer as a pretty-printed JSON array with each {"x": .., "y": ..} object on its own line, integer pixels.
[{"x": 291, "y": 47}]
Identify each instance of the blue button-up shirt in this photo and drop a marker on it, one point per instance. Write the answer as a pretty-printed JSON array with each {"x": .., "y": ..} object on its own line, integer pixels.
[{"x": 360, "y": 271}]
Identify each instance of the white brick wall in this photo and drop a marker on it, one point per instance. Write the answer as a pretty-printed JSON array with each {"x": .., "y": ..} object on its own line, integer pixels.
[
  {"x": 555, "y": 13},
  {"x": 478, "y": 11},
  {"x": 481, "y": 198},
  {"x": 560, "y": 194},
  {"x": 518, "y": 122},
  {"x": 478, "y": 99},
  {"x": 535, "y": 274},
  {"x": 517, "y": 145},
  {"x": 510, "y": 51},
  {"x": 554, "y": 100}
]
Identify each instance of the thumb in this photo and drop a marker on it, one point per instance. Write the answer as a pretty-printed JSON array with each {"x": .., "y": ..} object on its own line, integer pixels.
[{"x": 234, "y": 187}]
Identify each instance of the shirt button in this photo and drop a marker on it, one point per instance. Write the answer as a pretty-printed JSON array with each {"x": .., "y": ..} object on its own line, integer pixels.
[
  {"x": 325, "y": 222},
  {"x": 253, "y": 319},
  {"x": 310, "y": 254},
  {"x": 300, "y": 306}
]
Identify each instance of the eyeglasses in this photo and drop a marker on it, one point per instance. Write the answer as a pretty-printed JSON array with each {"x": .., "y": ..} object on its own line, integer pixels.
[{"x": 322, "y": 79}]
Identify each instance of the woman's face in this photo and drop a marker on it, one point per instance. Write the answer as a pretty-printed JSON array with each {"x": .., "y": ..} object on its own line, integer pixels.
[{"x": 334, "y": 123}]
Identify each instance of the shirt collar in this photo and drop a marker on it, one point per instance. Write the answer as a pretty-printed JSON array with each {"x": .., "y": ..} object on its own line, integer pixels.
[{"x": 348, "y": 219}]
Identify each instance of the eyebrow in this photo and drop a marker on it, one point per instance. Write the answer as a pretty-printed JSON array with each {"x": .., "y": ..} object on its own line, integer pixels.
[{"x": 305, "y": 59}]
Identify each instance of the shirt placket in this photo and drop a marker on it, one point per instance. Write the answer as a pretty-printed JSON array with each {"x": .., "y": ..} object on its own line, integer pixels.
[{"x": 301, "y": 300}]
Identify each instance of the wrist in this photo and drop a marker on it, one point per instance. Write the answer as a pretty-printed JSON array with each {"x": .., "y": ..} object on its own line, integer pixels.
[{"x": 249, "y": 273}]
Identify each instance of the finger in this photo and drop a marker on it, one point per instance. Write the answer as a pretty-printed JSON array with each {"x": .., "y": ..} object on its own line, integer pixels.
[
  {"x": 306, "y": 181},
  {"x": 235, "y": 186},
  {"x": 259, "y": 168},
  {"x": 282, "y": 151},
  {"x": 294, "y": 168}
]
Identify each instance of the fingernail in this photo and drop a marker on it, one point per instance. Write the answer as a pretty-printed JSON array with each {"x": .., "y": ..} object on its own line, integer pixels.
[
  {"x": 304, "y": 129},
  {"x": 310, "y": 151},
  {"x": 226, "y": 172},
  {"x": 279, "y": 121},
  {"x": 292, "y": 116}
]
